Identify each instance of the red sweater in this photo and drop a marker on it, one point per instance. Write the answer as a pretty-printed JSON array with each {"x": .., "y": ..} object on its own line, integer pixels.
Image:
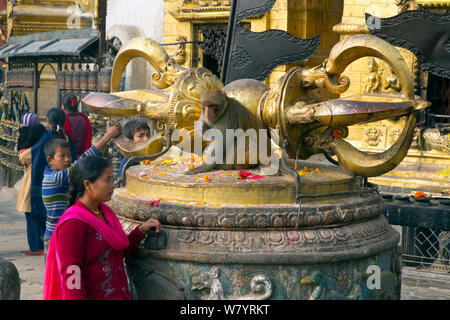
[
  {"x": 78, "y": 127},
  {"x": 102, "y": 269}
]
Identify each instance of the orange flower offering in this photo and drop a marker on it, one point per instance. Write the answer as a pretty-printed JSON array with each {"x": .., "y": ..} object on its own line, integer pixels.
[
  {"x": 147, "y": 162},
  {"x": 421, "y": 195},
  {"x": 206, "y": 178}
]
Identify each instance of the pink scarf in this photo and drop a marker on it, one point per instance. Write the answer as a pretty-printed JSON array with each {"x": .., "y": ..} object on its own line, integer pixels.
[{"x": 112, "y": 232}]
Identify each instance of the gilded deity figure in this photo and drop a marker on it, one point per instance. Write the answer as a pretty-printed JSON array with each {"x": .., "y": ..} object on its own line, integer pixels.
[
  {"x": 392, "y": 83},
  {"x": 374, "y": 78}
]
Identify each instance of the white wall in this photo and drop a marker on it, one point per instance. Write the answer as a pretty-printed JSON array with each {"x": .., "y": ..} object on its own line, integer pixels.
[
  {"x": 132, "y": 17},
  {"x": 145, "y": 14}
]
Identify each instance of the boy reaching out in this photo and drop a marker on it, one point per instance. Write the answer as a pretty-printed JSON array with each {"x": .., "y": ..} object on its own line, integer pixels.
[{"x": 55, "y": 185}]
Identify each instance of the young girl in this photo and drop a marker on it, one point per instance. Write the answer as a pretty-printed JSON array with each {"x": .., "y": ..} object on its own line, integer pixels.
[
  {"x": 56, "y": 119},
  {"x": 85, "y": 256}
]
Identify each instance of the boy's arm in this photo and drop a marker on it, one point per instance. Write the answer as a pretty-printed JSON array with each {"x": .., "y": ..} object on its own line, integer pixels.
[
  {"x": 112, "y": 132},
  {"x": 92, "y": 151}
]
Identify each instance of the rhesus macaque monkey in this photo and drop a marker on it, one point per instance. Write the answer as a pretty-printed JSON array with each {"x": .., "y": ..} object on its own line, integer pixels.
[{"x": 221, "y": 112}]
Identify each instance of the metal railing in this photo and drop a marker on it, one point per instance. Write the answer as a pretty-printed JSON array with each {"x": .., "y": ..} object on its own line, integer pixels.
[{"x": 426, "y": 248}]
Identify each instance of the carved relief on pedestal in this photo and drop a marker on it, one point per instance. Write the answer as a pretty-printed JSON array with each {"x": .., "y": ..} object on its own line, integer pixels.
[
  {"x": 260, "y": 286},
  {"x": 344, "y": 281}
]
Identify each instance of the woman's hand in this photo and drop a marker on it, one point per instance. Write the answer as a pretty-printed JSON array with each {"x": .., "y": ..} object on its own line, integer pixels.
[{"x": 147, "y": 225}]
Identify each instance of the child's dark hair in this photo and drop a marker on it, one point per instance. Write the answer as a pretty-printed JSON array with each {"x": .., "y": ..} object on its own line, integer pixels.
[
  {"x": 57, "y": 118},
  {"x": 70, "y": 102},
  {"x": 88, "y": 168},
  {"x": 50, "y": 147},
  {"x": 130, "y": 128}
]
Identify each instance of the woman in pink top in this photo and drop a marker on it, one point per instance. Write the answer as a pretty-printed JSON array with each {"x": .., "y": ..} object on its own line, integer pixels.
[{"x": 85, "y": 256}]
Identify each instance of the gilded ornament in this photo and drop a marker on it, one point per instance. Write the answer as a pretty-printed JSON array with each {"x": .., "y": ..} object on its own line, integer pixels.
[
  {"x": 294, "y": 105},
  {"x": 374, "y": 81},
  {"x": 373, "y": 136},
  {"x": 87, "y": 5},
  {"x": 392, "y": 83}
]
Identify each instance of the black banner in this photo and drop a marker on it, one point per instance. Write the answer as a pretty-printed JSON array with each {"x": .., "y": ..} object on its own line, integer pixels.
[
  {"x": 255, "y": 54},
  {"x": 424, "y": 33}
]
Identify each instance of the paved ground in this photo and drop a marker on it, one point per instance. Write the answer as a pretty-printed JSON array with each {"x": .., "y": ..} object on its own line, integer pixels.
[{"x": 13, "y": 242}]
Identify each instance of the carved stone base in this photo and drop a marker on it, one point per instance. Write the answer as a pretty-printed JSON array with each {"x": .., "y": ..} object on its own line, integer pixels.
[
  {"x": 266, "y": 250},
  {"x": 153, "y": 278}
]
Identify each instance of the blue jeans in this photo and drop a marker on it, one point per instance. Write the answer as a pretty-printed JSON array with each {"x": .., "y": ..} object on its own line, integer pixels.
[{"x": 35, "y": 231}]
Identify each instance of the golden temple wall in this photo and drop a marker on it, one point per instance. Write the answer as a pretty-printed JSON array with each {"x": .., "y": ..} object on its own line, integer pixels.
[
  {"x": 302, "y": 18},
  {"x": 378, "y": 136},
  {"x": 353, "y": 22},
  {"x": 34, "y": 16}
]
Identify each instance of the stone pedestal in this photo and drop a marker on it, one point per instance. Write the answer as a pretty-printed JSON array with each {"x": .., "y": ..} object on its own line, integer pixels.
[{"x": 234, "y": 238}]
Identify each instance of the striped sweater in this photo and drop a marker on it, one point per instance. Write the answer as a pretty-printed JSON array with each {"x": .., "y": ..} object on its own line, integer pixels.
[{"x": 55, "y": 193}]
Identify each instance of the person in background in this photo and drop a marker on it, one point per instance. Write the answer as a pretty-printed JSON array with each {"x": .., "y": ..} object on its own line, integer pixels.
[
  {"x": 89, "y": 240},
  {"x": 30, "y": 132},
  {"x": 55, "y": 185},
  {"x": 55, "y": 121},
  {"x": 78, "y": 125},
  {"x": 138, "y": 131}
]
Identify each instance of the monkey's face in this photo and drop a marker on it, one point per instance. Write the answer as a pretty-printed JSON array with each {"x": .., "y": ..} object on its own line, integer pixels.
[
  {"x": 214, "y": 105},
  {"x": 209, "y": 112}
]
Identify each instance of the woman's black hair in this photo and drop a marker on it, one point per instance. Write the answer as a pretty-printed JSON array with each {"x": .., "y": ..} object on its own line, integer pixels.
[
  {"x": 88, "y": 168},
  {"x": 57, "y": 118},
  {"x": 70, "y": 102}
]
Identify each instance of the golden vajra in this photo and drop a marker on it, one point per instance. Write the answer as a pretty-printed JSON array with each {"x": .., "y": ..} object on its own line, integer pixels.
[{"x": 295, "y": 105}]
